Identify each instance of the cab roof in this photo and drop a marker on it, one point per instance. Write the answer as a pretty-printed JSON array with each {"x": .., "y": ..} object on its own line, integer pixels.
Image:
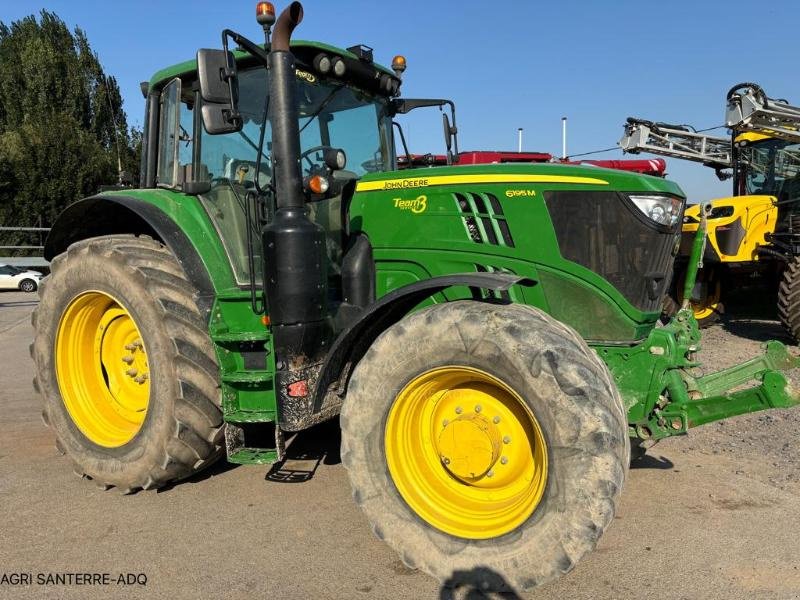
[{"x": 185, "y": 68}]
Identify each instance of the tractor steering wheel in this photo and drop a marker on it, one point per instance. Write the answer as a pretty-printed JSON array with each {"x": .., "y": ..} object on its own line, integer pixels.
[{"x": 305, "y": 155}]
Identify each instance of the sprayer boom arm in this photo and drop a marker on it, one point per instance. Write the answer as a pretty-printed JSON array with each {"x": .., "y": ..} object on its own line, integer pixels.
[
  {"x": 749, "y": 109},
  {"x": 676, "y": 141}
]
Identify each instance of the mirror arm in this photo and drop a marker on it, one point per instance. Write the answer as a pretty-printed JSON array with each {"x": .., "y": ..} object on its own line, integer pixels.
[
  {"x": 251, "y": 47},
  {"x": 403, "y": 141},
  {"x": 233, "y": 115}
]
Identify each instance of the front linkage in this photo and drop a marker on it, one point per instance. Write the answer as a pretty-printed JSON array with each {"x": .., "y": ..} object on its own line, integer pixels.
[{"x": 674, "y": 394}]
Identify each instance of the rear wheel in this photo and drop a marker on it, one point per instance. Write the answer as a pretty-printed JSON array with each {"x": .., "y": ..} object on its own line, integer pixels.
[
  {"x": 124, "y": 364},
  {"x": 485, "y": 443},
  {"x": 789, "y": 298}
]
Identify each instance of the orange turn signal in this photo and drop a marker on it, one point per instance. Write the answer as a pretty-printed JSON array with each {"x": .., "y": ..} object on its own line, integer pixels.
[
  {"x": 318, "y": 184},
  {"x": 265, "y": 320}
]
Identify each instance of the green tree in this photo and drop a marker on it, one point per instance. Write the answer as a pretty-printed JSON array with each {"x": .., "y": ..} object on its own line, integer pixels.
[{"x": 61, "y": 121}]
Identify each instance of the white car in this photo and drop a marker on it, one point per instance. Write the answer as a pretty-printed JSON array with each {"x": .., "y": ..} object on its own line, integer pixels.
[{"x": 17, "y": 278}]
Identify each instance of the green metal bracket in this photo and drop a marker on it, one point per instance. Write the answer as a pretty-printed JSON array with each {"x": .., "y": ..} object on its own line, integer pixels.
[
  {"x": 774, "y": 391},
  {"x": 775, "y": 358}
]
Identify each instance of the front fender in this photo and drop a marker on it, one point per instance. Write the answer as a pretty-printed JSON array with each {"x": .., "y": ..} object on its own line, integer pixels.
[{"x": 353, "y": 342}]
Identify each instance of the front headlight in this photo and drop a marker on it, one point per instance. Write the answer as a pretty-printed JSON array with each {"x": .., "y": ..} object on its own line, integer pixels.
[{"x": 664, "y": 210}]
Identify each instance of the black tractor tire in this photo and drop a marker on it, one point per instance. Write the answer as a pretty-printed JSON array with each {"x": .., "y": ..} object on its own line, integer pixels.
[
  {"x": 182, "y": 431},
  {"x": 28, "y": 285},
  {"x": 713, "y": 318},
  {"x": 563, "y": 382},
  {"x": 789, "y": 299},
  {"x": 671, "y": 307}
]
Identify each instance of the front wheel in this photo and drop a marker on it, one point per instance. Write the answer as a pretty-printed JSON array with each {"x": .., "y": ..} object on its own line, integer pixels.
[{"x": 485, "y": 443}]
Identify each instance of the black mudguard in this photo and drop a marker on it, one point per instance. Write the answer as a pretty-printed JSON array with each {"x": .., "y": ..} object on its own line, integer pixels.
[{"x": 353, "y": 342}]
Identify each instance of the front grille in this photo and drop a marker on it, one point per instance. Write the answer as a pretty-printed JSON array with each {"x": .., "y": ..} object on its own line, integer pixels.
[
  {"x": 483, "y": 219},
  {"x": 604, "y": 232}
]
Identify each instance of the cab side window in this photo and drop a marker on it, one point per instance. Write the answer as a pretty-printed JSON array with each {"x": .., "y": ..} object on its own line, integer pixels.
[
  {"x": 174, "y": 138},
  {"x": 167, "y": 173}
]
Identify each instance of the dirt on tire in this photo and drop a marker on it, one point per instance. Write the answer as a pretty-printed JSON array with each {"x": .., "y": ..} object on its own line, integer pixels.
[{"x": 182, "y": 431}]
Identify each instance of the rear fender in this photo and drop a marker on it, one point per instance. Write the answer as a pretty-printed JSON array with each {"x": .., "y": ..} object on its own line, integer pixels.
[{"x": 116, "y": 215}]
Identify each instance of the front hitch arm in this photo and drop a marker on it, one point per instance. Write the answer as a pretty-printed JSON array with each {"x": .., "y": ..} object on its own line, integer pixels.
[
  {"x": 708, "y": 398},
  {"x": 695, "y": 258}
]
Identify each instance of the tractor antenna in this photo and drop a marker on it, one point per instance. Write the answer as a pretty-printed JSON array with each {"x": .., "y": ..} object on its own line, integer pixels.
[{"x": 265, "y": 15}]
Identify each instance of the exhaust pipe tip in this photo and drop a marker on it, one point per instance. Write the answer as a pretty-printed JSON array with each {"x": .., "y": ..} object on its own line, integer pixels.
[{"x": 290, "y": 18}]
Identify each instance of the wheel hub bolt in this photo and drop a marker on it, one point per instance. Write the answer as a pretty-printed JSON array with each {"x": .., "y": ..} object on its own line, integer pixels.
[
  {"x": 478, "y": 408},
  {"x": 141, "y": 378},
  {"x": 445, "y": 422},
  {"x": 506, "y": 439},
  {"x": 459, "y": 410},
  {"x": 496, "y": 420},
  {"x": 445, "y": 460},
  {"x": 490, "y": 473},
  {"x": 503, "y": 460},
  {"x": 127, "y": 359},
  {"x": 132, "y": 372}
]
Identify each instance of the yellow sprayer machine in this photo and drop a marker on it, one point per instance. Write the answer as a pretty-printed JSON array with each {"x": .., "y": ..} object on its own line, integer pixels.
[{"x": 754, "y": 233}]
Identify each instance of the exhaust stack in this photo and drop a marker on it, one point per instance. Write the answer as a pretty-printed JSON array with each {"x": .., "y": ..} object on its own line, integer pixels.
[{"x": 295, "y": 278}]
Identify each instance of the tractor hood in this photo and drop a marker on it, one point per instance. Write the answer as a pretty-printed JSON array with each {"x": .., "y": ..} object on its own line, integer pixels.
[{"x": 592, "y": 177}]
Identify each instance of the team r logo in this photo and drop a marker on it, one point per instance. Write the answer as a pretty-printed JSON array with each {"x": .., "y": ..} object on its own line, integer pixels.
[{"x": 416, "y": 206}]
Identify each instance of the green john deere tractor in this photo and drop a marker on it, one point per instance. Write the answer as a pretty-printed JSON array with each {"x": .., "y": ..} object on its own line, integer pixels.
[{"x": 487, "y": 333}]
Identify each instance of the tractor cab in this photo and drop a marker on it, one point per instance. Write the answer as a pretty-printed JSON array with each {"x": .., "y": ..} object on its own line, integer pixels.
[{"x": 344, "y": 118}]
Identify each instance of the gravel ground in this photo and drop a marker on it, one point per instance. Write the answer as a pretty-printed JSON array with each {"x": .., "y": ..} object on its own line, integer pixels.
[{"x": 712, "y": 515}]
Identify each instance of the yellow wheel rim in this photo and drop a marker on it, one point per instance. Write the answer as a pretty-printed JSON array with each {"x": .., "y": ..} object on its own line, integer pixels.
[
  {"x": 102, "y": 369},
  {"x": 707, "y": 307},
  {"x": 466, "y": 453}
]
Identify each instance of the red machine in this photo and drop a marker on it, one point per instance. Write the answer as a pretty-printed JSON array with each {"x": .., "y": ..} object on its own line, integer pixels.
[{"x": 655, "y": 167}]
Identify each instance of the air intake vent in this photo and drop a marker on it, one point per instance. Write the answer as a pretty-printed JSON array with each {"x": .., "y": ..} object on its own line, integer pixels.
[{"x": 483, "y": 219}]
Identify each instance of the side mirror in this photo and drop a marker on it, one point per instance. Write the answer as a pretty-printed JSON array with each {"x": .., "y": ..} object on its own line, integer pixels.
[
  {"x": 448, "y": 132},
  {"x": 219, "y": 91},
  {"x": 449, "y": 135}
]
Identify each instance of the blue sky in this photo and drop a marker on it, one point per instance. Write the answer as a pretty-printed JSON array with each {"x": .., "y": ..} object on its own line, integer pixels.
[{"x": 505, "y": 64}]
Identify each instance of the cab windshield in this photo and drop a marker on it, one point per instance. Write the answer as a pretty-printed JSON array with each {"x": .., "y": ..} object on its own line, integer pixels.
[
  {"x": 772, "y": 167},
  {"x": 331, "y": 114}
]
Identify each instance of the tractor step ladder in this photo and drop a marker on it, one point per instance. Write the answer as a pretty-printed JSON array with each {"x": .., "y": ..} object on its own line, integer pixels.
[
  {"x": 676, "y": 141},
  {"x": 252, "y": 434}
]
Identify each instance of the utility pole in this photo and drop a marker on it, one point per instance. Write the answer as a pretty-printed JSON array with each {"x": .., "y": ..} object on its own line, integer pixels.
[{"x": 519, "y": 139}]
